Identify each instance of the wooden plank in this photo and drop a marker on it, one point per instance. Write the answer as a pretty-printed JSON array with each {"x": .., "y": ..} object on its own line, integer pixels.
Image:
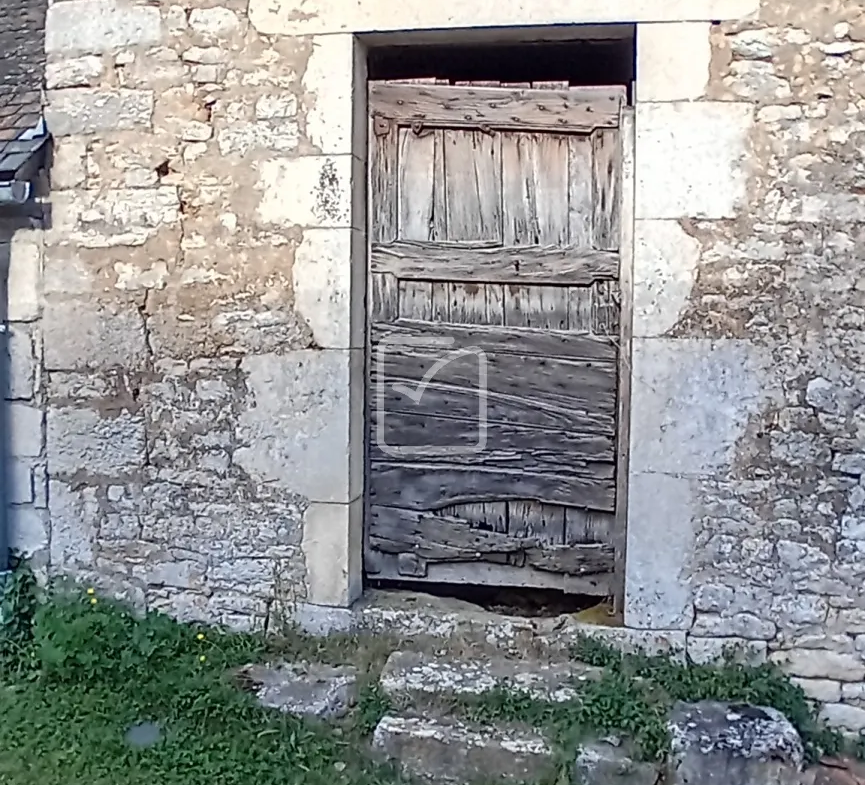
[
  {"x": 582, "y": 525},
  {"x": 580, "y": 192},
  {"x": 535, "y": 189},
  {"x": 415, "y": 300},
  {"x": 550, "y": 85},
  {"x": 473, "y": 185},
  {"x": 440, "y": 293},
  {"x": 588, "y": 386},
  {"x": 468, "y": 303},
  {"x": 419, "y": 189},
  {"x": 495, "y": 303},
  {"x": 499, "y": 340},
  {"x": 521, "y": 407},
  {"x": 383, "y": 157},
  {"x": 502, "y": 445},
  {"x": 384, "y": 297},
  {"x": 528, "y": 518},
  {"x": 605, "y": 308},
  {"x": 580, "y": 304},
  {"x": 491, "y": 107},
  {"x": 433, "y": 538},
  {"x": 492, "y": 516},
  {"x": 458, "y": 262},
  {"x": 606, "y": 189},
  {"x": 416, "y": 485},
  {"x": 537, "y": 307},
  {"x": 626, "y": 243}
]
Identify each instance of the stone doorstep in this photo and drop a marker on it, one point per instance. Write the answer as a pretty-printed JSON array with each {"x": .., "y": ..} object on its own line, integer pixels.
[
  {"x": 420, "y": 676},
  {"x": 448, "y": 751}
]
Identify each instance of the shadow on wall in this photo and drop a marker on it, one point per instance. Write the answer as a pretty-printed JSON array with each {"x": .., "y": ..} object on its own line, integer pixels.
[{"x": 30, "y": 217}]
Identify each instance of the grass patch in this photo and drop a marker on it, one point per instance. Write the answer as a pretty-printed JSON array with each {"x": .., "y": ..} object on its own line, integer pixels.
[{"x": 76, "y": 671}]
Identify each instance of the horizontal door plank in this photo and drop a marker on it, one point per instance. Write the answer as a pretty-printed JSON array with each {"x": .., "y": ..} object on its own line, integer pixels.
[
  {"x": 494, "y": 107},
  {"x": 418, "y": 485},
  {"x": 432, "y": 538},
  {"x": 587, "y": 386},
  {"x": 483, "y": 263},
  {"x": 504, "y": 446},
  {"x": 460, "y": 403},
  {"x": 496, "y": 339}
]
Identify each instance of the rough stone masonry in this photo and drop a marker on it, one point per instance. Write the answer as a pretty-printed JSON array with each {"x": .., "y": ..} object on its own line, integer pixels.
[{"x": 186, "y": 330}]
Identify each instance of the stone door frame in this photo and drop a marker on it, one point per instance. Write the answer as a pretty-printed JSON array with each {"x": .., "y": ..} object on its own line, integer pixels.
[{"x": 675, "y": 120}]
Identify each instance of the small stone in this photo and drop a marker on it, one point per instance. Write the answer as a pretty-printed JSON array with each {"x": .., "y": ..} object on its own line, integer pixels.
[
  {"x": 124, "y": 58},
  {"x": 842, "y": 30},
  {"x": 196, "y": 131},
  {"x": 302, "y": 690},
  {"x": 270, "y": 107},
  {"x": 77, "y": 72},
  {"x": 603, "y": 763},
  {"x": 213, "y": 22},
  {"x": 736, "y": 744},
  {"x": 206, "y": 74},
  {"x": 837, "y": 48},
  {"x": 144, "y": 734},
  {"x": 208, "y": 55},
  {"x": 853, "y": 464},
  {"x": 843, "y": 717}
]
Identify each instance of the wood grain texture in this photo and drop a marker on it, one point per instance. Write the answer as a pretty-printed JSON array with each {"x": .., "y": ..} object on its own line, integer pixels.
[
  {"x": 416, "y": 485},
  {"x": 488, "y": 263},
  {"x": 606, "y": 188},
  {"x": 494, "y": 108},
  {"x": 436, "y": 538},
  {"x": 420, "y": 191},
  {"x": 382, "y": 176},
  {"x": 580, "y": 191},
  {"x": 472, "y": 185},
  {"x": 384, "y": 296},
  {"x": 498, "y": 340}
]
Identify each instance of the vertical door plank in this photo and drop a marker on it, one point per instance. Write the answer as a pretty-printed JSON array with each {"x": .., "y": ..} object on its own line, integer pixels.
[
  {"x": 384, "y": 297},
  {"x": 535, "y": 188},
  {"x": 535, "y": 519},
  {"x": 415, "y": 300},
  {"x": 585, "y": 526},
  {"x": 605, "y": 308},
  {"x": 606, "y": 188},
  {"x": 441, "y": 301},
  {"x": 580, "y": 179},
  {"x": 383, "y": 159},
  {"x": 468, "y": 303},
  {"x": 472, "y": 170},
  {"x": 580, "y": 301},
  {"x": 495, "y": 303},
  {"x": 417, "y": 186},
  {"x": 491, "y": 516}
]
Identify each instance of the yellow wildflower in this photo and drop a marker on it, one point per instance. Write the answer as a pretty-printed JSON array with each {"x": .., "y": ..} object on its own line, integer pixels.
[
  {"x": 200, "y": 636},
  {"x": 91, "y": 591},
  {"x": 202, "y": 658},
  {"x": 93, "y": 601}
]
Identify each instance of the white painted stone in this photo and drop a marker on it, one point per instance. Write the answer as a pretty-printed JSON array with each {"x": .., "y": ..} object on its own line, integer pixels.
[
  {"x": 311, "y": 17},
  {"x": 213, "y": 22},
  {"x": 333, "y": 547},
  {"x": 665, "y": 268},
  {"x": 300, "y": 441},
  {"x": 242, "y": 137},
  {"x": 823, "y": 690},
  {"x": 25, "y": 430},
  {"x": 820, "y": 664},
  {"x": 691, "y": 159},
  {"x": 691, "y": 400},
  {"x": 708, "y": 651},
  {"x": 335, "y": 84},
  {"x": 82, "y": 440},
  {"x": 673, "y": 61},
  {"x": 328, "y": 286},
  {"x": 843, "y": 717},
  {"x": 24, "y": 280},
  {"x": 94, "y": 26},
  {"x": 75, "y": 72},
  {"x": 88, "y": 111},
  {"x": 306, "y": 191},
  {"x": 276, "y": 107},
  {"x": 661, "y": 530}
]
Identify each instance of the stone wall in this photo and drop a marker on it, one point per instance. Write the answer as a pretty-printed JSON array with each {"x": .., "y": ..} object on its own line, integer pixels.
[
  {"x": 749, "y": 297},
  {"x": 189, "y": 368},
  {"x": 192, "y": 383}
]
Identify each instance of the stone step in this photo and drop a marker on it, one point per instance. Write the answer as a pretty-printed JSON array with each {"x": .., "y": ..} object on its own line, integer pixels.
[
  {"x": 417, "y": 675},
  {"x": 446, "y": 751}
]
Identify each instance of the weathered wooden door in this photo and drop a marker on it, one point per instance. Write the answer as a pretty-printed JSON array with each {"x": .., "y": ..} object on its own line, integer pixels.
[{"x": 493, "y": 335}]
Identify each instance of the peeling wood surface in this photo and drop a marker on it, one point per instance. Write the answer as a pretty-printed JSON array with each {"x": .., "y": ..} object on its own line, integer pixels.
[
  {"x": 497, "y": 107},
  {"x": 498, "y": 254}
]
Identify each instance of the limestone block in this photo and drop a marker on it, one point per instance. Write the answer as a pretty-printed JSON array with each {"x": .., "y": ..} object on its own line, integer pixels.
[
  {"x": 82, "y": 440},
  {"x": 673, "y": 61},
  {"x": 734, "y": 745},
  {"x": 691, "y": 159},
  {"x": 114, "y": 217},
  {"x": 75, "y": 72},
  {"x": 19, "y": 482},
  {"x": 820, "y": 664},
  {"x": 301, "y": 441},
  {"x": 242, "y": 137},
  {"x": 68, "y": 165},
  {"x": 691, "y": 401},
  {"x": 276, "y": 107},
  {"x": 21, "y": 363},
  {"x": 104, "y": 336},
  {"x": 213, "y": 23},
  {"x": 329, "y": 279},
  {"x": 603, "y": 763},
  {"x": 708, "y": 651},
  {"x": 28, "y": 530},
  {"x": 24, "y": 278},
  {"x": 333, "y": 550},
  {"x": 738, "y": 625},
  {"x": 25, "y": 430},
  {"x": 74, "y": 522},
  {"x": 661, "y": 520},
  {"x": 313, "y": 191},
  {"x": 304, "y": 690},
  {"x": 335, "y": 83},
  {"x": 84, "y": 110},
  {"x": 93, "y": 26},
  {"x": 665, "y": 269},
  {"x": 843, "y": 717},
  {"x": 281, "y": 17},
  {"x": 823, "y": 690},
  {"x": 757, "y": 81}
]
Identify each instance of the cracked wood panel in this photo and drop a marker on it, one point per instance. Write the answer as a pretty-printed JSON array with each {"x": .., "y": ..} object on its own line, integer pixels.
[{"x": 501, "y": 246}]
